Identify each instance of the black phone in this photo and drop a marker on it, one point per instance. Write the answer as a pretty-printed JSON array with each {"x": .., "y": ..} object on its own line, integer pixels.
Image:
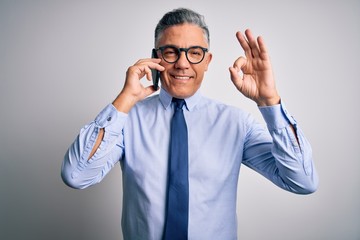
[{"x": 155, "y": 73}]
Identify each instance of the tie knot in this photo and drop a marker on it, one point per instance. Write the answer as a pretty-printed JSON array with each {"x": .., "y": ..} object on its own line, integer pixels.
[{"x": 179, "y": 103}]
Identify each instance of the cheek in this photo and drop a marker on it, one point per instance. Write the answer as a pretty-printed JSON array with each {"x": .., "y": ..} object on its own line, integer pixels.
[
  {"x": 200, "y": 72},
  {"x": 164, "y": 74}
]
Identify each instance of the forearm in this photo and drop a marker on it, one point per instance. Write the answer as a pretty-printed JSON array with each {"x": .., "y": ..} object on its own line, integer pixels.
[
  {"x": 285, "y": 157},
  {"x": 97, "y": 142},
  {"x": 292, "y": 152},
  {"x": 75, "y": 168},
  {"x": 294, "y": 166},
  {"x": 95, "y": 151}
]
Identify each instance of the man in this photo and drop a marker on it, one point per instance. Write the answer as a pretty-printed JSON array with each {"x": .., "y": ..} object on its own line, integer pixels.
[{"x": 136, "y": 130}]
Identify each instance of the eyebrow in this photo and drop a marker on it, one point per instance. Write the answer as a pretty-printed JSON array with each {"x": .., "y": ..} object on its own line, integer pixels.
[{"x": 174, "y": 46}]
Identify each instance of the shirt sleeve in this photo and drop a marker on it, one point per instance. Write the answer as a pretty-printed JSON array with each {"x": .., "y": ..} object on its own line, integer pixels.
[
  {"x": 80, "y": 172},
  {"x": 285, "y": 158}
]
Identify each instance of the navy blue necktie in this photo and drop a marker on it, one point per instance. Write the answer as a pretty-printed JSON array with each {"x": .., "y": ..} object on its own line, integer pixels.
[{"x": 177, "y": 208}]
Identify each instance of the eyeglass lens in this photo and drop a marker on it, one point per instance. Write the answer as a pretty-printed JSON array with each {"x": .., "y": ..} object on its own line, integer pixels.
[{"x": 172, "y": 54}]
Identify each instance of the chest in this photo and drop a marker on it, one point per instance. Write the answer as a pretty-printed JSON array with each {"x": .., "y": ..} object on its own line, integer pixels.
[{"x": 215, "y": 144}]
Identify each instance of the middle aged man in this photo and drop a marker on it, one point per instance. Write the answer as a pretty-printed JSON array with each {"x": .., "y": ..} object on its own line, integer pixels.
[{"x": 187, "y": 189}]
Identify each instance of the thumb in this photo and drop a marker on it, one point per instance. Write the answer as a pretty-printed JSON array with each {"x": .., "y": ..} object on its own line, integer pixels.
[
  {"x": 235, "y": 77},
  {"x": 149, "y": 90}
]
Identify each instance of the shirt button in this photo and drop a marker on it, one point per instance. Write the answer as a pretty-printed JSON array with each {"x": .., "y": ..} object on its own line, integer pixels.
[{"x": 109, "y": 119}]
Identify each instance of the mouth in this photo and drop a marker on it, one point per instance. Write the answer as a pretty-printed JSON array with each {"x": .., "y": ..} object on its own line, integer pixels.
[{"x": 181, "y": 77}]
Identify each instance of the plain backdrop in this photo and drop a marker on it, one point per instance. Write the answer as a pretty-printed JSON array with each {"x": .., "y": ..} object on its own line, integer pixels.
[{"x": 61, "y": 62}]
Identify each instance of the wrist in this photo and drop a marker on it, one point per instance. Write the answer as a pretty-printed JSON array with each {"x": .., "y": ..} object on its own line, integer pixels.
[
  {"x": 124, "y": 103},
  {"x": 269, "y": 102}
]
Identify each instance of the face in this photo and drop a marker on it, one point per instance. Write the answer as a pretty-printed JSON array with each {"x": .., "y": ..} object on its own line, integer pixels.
[{"x": 182, "y": 78}]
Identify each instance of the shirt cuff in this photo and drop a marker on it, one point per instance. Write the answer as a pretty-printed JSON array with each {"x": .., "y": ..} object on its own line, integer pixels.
[
  {"x": 277, "y": 116},
  {"x": 111, "y": 119}
]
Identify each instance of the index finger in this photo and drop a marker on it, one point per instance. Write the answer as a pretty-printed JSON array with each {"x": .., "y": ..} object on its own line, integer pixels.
[{"x": 152, "y": 63}]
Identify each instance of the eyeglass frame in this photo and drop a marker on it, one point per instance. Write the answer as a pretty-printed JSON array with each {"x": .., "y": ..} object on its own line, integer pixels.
[{"x": 205, "y": 50}]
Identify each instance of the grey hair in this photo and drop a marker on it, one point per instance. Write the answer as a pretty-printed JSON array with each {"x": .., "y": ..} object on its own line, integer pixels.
[{"x": 180, "y": 16}]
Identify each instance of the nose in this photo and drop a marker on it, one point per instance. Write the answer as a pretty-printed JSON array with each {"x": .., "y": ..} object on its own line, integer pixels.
[{"x": 182, "y": 62}]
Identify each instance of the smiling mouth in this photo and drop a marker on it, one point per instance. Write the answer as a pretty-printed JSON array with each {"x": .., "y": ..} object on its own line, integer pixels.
[{"x": 181, "y": 77}]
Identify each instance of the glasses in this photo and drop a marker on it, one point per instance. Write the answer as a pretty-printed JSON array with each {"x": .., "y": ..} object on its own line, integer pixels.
[{"x": 193, "y": 54}]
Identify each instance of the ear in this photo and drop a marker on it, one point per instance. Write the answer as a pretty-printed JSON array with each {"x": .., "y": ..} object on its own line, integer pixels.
[{"x": 207, "y": 60}]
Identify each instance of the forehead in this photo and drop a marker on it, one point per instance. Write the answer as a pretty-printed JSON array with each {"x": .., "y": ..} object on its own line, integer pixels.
[{"x": 184, "y": 35}]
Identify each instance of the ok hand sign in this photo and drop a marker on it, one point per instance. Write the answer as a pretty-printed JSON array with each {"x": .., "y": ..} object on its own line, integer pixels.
[{"x": 257, "y": 80}]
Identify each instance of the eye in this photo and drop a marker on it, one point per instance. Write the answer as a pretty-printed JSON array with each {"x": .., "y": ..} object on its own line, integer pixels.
[
  {"x": 196, "y": 51},
  {"x": 169, "y": 51}
]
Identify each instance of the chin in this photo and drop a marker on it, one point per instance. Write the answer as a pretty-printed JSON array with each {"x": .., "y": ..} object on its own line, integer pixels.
[
  {"x": 182, "y": 93},
  {"x": 181, "y": 90}
]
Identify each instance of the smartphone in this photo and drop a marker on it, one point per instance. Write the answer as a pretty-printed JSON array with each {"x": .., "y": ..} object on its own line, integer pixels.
[{"x": 155, "y": 73}]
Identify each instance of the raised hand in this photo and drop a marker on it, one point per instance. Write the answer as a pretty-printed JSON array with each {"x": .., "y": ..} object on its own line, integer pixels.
[
  {"x": 257, "y": 80},
  {"x": 133, "y": 91}
]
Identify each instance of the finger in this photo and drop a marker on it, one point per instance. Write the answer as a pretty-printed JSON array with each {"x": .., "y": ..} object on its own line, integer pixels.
[
  {"x": 263, "y": 50},
  {"x": 240, "y": 63},
  {"x": 244, "y": 44},
  {"x": 148, "y": 73},
  {"x": 149, "y": 90},
  {"x": 252, "y": 43},
  {"x": 145, "y": 60},
  {"x": 152, "y": 63},
  {"x": 156, "y": 67},
  {"x": 235, "y": 77},
  {"x": 145, "y": 66}
]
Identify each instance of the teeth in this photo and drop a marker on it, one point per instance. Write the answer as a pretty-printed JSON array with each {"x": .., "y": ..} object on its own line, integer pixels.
[{"x": 182, "y": 78}]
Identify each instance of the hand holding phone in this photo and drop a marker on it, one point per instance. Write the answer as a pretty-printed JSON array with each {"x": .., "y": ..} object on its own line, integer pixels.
[{"x": 155, "y": 73}]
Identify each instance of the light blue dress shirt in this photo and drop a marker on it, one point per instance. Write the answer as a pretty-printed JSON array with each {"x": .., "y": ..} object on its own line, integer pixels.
[{"x": 221, "y": 138}]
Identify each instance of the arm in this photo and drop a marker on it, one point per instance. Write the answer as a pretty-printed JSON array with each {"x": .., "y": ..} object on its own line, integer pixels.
[
  {"x": 79, "y": 169},
  {"x": 132, "y": 91},
  {"x": 287, "y": 158},
  {"x": 284, "y": 159},
  {"x": 99, "y": 145}
]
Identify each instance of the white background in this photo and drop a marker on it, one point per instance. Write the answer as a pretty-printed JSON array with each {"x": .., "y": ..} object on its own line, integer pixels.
[{"x": 61, "y": 62}]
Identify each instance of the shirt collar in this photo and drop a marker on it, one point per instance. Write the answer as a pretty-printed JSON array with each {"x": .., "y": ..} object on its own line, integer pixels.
[{"x": 191, "y": 102}]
